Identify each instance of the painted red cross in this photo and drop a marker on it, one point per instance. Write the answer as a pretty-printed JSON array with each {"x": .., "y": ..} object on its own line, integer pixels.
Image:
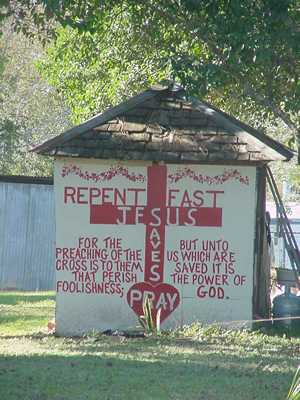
[{"x": 154, "y": 216}]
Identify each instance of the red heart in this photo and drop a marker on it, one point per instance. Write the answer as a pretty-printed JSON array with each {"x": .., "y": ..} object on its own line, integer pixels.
[{"x": 163, "y": 296}]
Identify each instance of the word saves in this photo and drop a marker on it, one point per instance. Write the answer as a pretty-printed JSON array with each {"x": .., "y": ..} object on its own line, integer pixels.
[{"x": 183, "y": 207}]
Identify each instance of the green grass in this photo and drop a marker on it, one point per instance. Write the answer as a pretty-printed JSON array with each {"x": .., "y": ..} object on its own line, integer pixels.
[
  {"x": 24, "y": 313},
  {"x": 196, "y": 363}
]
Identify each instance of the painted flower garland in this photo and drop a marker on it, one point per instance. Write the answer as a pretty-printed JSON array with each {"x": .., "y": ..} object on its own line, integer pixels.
[
  {"x": 107, "y": 175},
  {"x": 118, "y": 170},
  {"x": 230, "y": 174}
]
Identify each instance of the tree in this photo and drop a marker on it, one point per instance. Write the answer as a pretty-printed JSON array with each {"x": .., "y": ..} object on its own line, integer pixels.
[
  {"x": 30, "y": 110},
  {"x": 96, "y": 70},
  {"x": 243, "y": 52}
]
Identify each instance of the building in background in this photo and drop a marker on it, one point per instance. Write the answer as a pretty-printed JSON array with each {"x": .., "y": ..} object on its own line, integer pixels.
[{"x": 27, "y": 233}]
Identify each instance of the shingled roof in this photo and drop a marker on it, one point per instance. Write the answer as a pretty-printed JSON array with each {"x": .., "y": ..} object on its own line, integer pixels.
[{"x": 160, "y": 124}]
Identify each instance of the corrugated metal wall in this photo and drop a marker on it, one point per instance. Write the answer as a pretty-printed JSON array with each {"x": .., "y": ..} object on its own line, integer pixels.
[{"x": 27, "y": 236}]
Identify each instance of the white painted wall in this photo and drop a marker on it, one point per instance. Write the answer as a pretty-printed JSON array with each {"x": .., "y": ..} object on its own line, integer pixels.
[{"x": 186, "y": 299}]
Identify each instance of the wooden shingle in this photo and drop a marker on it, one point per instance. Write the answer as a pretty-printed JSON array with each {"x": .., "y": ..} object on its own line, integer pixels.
[{"x": 160, "y": 124}]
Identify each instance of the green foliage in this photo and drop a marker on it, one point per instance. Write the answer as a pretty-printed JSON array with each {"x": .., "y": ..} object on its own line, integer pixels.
[
  {"x": 232, "y": 335},
  {"x": 243, "y": 54},
  {"x": 288, "y": 172},
  {"x": 294, "y": 392},
  {"x": 96, "y": 71},
  {"x": 149, "y": 322},
  {"x": 30, "y": 110}
]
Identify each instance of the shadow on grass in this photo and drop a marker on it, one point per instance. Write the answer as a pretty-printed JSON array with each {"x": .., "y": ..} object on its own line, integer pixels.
[
  {"x": 211, "y": 355},
  {"x": 284, "y": 348},
  {"x": 108, "y": 377}
]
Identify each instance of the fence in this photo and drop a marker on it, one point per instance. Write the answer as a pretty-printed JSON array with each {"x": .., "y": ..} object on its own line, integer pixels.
[{"x": 27, "y": 233}]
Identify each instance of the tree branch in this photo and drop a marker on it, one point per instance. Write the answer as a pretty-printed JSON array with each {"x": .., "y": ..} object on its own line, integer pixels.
[{"x": 249, "y": 91}]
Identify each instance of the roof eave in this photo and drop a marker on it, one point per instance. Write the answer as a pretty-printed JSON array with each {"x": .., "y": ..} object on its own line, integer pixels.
[{"x": 277, "y": 150}]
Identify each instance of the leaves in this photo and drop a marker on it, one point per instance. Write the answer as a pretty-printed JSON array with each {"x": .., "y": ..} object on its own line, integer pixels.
[
  {"x": 96, "y": 71},
  {"x": 294, "y": 392},
  {"x": 150, "y": 320},
  {"x": 214, "y": 48},
  {"x": 241, "y": 55},
  {"x": 30, "y": 110}
]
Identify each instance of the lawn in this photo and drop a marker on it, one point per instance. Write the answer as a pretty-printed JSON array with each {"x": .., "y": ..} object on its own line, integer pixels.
[{"x": 198, "y": 363}]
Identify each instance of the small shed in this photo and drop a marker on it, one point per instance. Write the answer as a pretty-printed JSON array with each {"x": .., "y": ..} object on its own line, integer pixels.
[{"x": 160, "y": 197}]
